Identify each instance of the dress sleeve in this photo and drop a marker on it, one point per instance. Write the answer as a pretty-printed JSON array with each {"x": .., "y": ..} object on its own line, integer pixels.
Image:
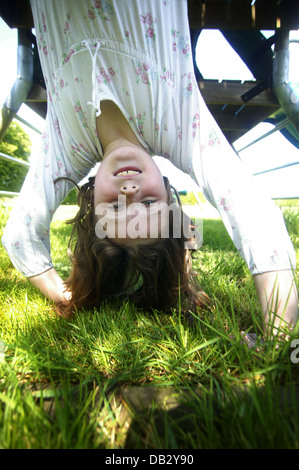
[
  {"x": 252, "y": 219},
  {"x": 26, "y": 237}
]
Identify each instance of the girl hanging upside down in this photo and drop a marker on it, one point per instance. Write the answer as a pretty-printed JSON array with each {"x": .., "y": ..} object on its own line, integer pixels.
[{"x": 121, "y": 89}]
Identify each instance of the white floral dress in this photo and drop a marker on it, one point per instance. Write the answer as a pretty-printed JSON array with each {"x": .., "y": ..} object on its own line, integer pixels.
[{"x": 138, "y": 54}]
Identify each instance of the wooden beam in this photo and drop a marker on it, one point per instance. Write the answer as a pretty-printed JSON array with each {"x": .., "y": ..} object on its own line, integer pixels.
[
  {"x": 240, "y": 14},
  {"x": 16, "y": 13},
  {"x": 37, "y": 93},
  {"x": 226, "y": 92},
  {"x": 211, "y": 14},
  {"x": 242, "y": 122},
  {"x": 230, "y": 91}
]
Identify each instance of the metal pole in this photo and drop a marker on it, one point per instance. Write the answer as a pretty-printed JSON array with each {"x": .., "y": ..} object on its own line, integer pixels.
[
  {"x": 27, "y": 124},
  {"x": 22, "y": 85},
  {"x": 279, "y": 126},
  {"x": 276, "y": 168},
  {"x": 8, "y": 194},
  {"x": 13, "y": 159},
  {"x": 281, "y": 86}
]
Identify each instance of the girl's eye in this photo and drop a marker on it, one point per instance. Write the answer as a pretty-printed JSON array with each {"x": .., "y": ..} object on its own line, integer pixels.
[
  {"x": 149, "y": 202},
  {"x": 117, "y": 207}
]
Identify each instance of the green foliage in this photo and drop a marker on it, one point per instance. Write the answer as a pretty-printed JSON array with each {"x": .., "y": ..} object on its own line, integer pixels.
[
  {"x": 16, "y": 143},
  {"x": 190, "y": 199},
  {"x": 71, "y": 199}
]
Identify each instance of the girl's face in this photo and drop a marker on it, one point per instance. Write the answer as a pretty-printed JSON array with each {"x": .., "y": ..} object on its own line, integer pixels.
[{"x": 128, "y": 175}]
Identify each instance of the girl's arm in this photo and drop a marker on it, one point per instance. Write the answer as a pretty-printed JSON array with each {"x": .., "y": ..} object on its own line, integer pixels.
[
  {"x": 51, "y": 286},
  {"x": 278, "y": 297}
]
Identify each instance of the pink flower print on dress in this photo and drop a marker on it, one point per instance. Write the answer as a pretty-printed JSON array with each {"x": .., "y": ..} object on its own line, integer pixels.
[
  {"x": 168, "y": 77},
  {"x": 274, "y": 255},
  {"x": 41, "y": 36},
  {"x": 102, "y": 9},
  {"x": 44, "y": 22},
  {"x": 224, "y": 204},
  {"x": 66, "y": 31},
  {"x": 68, "y": 56},
  {"x": 188, "y": 90},
  {"x": 213, "y": 139},
  {"x": 181, "y": 44},
  {"x": 86, "y": 150},
  {"x": 80, "y": 114},
  {"x": 57, "y": 128},
  {"x": 91, "y": 15},
  {"x": 150, "y": 33},
  {"x": 105, "y": 76},
  {"x": 149, "y": 21},
  {"x": 45, "y": 143},
  {"x": 28, "y": 218},
  {"x": 77, "y": 108},
  {"x": 157, "y": 128},
  {"x": 16, "y": 245},
  {"x": 195, "y": 125},
  {"x": 252, "y": 266},
  {"x": 140, "y": 119},
  {"x": 145, "y": 78},
  {"x": 142, "y": 75},
  {"x": 45, "y": 234}
]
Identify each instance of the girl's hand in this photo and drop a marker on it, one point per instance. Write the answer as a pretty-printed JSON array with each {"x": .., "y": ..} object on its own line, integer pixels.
[
  {"x": 52, "y": 286},
  {"x": 278, "y": 298}
]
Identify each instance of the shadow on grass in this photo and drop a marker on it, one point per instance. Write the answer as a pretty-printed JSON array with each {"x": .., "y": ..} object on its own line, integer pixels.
[
  {"x": 261, "y": 417},
  {"x": 153, "y": 417}
]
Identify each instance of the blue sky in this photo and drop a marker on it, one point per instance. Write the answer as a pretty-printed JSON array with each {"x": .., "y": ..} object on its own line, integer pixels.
[{"x": 216, "y": 60}]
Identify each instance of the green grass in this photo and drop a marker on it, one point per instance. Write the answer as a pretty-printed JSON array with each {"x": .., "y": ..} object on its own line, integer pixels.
[{"x": 68, "y": 384}]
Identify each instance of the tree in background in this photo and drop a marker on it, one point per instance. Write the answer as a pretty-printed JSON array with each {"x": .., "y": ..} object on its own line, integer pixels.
[{"x": 16, "y": 143}]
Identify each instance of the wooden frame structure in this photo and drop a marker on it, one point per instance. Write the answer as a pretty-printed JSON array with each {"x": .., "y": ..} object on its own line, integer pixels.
[{"x": 237, "y": 106}]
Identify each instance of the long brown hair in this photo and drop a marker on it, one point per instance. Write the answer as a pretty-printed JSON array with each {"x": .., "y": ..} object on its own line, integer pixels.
[{"x": 153, "y": 275}]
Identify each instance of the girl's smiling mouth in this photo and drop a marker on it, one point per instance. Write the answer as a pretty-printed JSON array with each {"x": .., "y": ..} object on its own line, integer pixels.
[{"x": 127, "y": 171}]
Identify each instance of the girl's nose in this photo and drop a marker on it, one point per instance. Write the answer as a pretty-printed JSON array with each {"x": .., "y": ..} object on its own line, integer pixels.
[{"x": 129, "y": 188}]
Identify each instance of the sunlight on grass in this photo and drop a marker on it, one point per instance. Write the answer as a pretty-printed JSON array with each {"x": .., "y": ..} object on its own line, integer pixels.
[{"x": 72, "y": 383}]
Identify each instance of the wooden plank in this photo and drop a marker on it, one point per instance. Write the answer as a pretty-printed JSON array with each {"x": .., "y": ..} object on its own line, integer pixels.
[
  {"x": 240, "y": 14},
  {"x": 16, "y": 13},
  {"x": 37, "y": 93},
  {"x": 230, "y": 92},
  {"x": 211, "y": 14},
  {"x": 241, "y": 122}
]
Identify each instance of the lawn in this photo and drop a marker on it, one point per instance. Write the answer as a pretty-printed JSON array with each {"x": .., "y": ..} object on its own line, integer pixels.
[{"x": 117, "y": 377}]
